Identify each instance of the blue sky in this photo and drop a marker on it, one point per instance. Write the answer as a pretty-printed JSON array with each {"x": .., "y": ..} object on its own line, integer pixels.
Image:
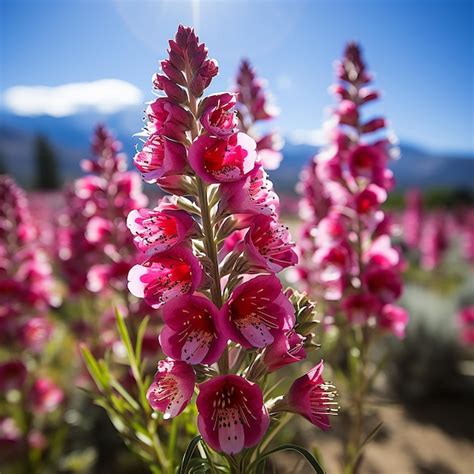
[{"x": 421, "y": 52}]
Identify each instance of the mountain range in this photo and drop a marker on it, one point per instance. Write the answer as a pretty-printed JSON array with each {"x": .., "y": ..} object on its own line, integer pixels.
[{"x": 70, "y": 137}]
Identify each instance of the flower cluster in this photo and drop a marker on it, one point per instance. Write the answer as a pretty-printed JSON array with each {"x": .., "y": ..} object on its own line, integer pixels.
[
  {"x": 95, "y": 247},
  {"x": 211, "y": 252},
  {"x": 466, "y": 325},
  {"x": 254, "y": 105},
  {"x": 27, "y": 291},
  {"x": 348, "y": 260}
]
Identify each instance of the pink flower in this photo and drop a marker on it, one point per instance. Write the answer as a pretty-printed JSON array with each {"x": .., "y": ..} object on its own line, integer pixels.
[
  {"x": 394, "y": 319},
  {"x": 232, "y": 415},
  {"x": 160, "y": 157},
  {"x": 12, "y": 375},
  {"x": 359, "y": 308},
  {"x": 385, "y": 283},
  {"x": 252, "y": 98},
  {"x": 45, "y": 396},
  {"x": 284, "y": 350},
  {"x": 222, "y": 160},
  {"x": 257, "y": 311},
  {"x": 172, "y": 387},
  {"x": 268, "y": 245},
  {"x": 192, "y": 331},
  {"x": 348, "y": 113},
  {"x": 218, "y": 117},
  {"x": 369, "y": 199},
  {"x": 157, "y": 231},
  {"x": 313, "y": 398},
  {"x": 368, "y": 161},
  {"x": 331, "y": 230},
  {"x": 253, "y": 195},
  {"x": 466, "y": 323},
  {"x": 168, "y": 119},
  {"x": 35, "y": 333},
  {"x": 98, "y": 229},
  {"x": 163, "y": 277}
]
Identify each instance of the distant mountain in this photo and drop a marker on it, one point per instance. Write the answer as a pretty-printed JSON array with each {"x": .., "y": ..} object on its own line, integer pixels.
[{"x": 70, "y": 136}]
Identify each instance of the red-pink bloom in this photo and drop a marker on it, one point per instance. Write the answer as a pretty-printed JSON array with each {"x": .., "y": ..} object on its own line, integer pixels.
[
  {"x": 163, "y": 277},
  {"x": 218, "y": 115},
  {"x": 168, "y": 119},
  {"x": 360, "y": 307},
  {"x": 466, "y": 324},
  {"x": 172, "y": 387},
  {"x": 159, "y": 158},
  {"x": 218, "y": 160},
  {"x": 253, "y": 195},
  {"x": 348, "y": 113},
  {"x": 257, "y": 311},
  {"x": 369, "y": 199},
  {"x": 232, "y": 415},
  {"x": 286, "y": 349},
  {"x": 331, "y": 230},
  {"x": 313, "y": 398},
  {"x": 368, "y": 161},
  {"x": 192, "y": 331},
  {"x": 385, "y": 283},
  {"x": 98, "y": 230},
  {"x": 268, "y": 245},
  {"x": 413, "y": 218},
  {"x": 12, "y": 375},
  {"x": 159, "y": 230},
  {"x": 45, "y": 396},
  {"x": 35, "y": 333},
  {"x": 107, "y": 275},
  {"x": 394, "y": 319},
  {"x": 252, "y": 98}
]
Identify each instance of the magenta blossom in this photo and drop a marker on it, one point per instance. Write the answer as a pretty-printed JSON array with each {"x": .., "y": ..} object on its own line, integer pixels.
[
  {"x": 466, "y": 324},
  {"x": 35, "y": 333},
  {"x": 268, "y": 245},
  {"x": 160, "y": 157},
  {"x": 12, "y": 375},
  {"x": 253, "y": 195},
  {"x": 192, "y": 331},
  {"x": 163, "y": 277},
  {"x": 218, "y": 160},
  {"x": 172, "y": 387},
  {"x": 313, "y": 398},
  {"x": 168, "y": 119},
  {"x": 286, "y": 349},
  {"x": 45, "y": 396},
  {"x": 359, "y": 308},
  {"x": 368, "y": 161},
  {"x": 219, "y": 117},
  {"x": 159, "y": 230},
  {"x": 385, "y": 283},
  {"x": 257, "y": 311},
  {"x": 394, "y": 319},
  {"x": 232, "y": 415}
]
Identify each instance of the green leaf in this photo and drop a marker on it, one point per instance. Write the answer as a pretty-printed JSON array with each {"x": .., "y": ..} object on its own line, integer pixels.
[
  {"x": 183, "y": 469},
  {"x": 140, "y": 335},
  {"x": 290, "y": 447},
  {"x": 93, "y": 368},
  {"x": 124, "y": 335}
]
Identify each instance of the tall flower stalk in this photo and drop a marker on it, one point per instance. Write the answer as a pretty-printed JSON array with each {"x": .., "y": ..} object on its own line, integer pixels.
[
  {"x": 31, "y": 400},
  {"x": 348, "y": 262},
  {"x": 211, "y": 253}
]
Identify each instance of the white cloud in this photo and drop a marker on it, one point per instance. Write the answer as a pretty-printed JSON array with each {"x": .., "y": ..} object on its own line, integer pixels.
[
  {"x": 104, "y": 96},
  {"x": 315, "y": 137}
]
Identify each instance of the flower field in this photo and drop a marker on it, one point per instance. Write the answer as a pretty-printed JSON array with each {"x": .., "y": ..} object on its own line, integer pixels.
[{"x": 180, "y": 310}]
